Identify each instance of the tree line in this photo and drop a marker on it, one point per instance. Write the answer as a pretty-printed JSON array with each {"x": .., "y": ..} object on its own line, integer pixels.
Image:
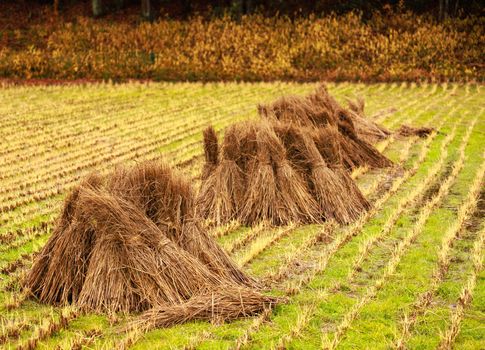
[{"x": 150, "y": 9}]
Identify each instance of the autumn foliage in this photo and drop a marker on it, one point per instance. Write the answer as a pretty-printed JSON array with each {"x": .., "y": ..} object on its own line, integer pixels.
[{"x": 386, "y": 48}]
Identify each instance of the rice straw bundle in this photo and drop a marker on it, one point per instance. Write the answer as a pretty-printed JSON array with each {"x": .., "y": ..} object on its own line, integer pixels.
[
  {"x": 211, "y": 152},
  {"x": 406, "y": 130},
  {"x": 131, "y": 241},
  {"x": 336, "y": 197},
  {"x": 285, "y": 178},
  {"x": 276, "y": 192},
  {"x": 221, "y": 192},
  {"x": 320, "y": 110},
  {"x": 366, "y": 128},
  {"x": 219, "y": 306}
]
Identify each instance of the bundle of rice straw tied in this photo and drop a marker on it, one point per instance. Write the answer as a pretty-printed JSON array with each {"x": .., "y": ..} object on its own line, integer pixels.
[{"x": 131, "y": 242}]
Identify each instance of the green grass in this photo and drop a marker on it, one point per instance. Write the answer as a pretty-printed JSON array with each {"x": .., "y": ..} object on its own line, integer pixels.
[{"x": 53, "y": 135}]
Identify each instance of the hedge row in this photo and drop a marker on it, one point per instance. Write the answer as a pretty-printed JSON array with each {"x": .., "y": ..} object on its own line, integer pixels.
[{"x": 387, "y": 48}]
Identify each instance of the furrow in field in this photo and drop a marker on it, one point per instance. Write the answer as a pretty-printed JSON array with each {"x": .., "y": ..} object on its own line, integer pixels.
[
  {"x": 153, "y": 112},
  {"x": 425, "y": 298},
  {"x": 44, "y": 138},
  {"x": 192, "y": 98},
  {"x": 240, "y": 241},
  {"x": 396, "y": 255},
  {"x": 379, "y": 320},
  {"x": 329, "y": 289},
  {"x": 261, "y": 243},
  {"x": 128, "y": 117},
  {"x": 466, "y": 295},
  {"x": 411, "y": 199},
  {"x": 63, "y": 122}
]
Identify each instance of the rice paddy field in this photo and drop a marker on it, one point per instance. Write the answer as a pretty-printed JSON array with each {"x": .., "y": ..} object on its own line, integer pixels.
[{"x": 407, "y": 275}]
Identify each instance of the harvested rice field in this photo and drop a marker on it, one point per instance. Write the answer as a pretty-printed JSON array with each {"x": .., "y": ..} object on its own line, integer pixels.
[{"x": 407, "y": 274}]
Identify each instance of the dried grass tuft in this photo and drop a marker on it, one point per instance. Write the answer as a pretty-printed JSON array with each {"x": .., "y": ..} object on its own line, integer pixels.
[{"x": 406, "y": 131}]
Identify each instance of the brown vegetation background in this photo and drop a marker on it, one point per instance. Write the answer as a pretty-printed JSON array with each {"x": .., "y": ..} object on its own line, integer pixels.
[{"x": 388, "y": 45}]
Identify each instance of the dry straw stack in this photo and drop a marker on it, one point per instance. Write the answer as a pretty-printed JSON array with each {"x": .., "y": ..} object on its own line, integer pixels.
[
  {"x": 373, "y": 132},
  {"x": 320, "y": 110},
  {"x": 130, "y": 241},
  {"x": 292, "y": 165},
  {"x": 365, "y": 128}
]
